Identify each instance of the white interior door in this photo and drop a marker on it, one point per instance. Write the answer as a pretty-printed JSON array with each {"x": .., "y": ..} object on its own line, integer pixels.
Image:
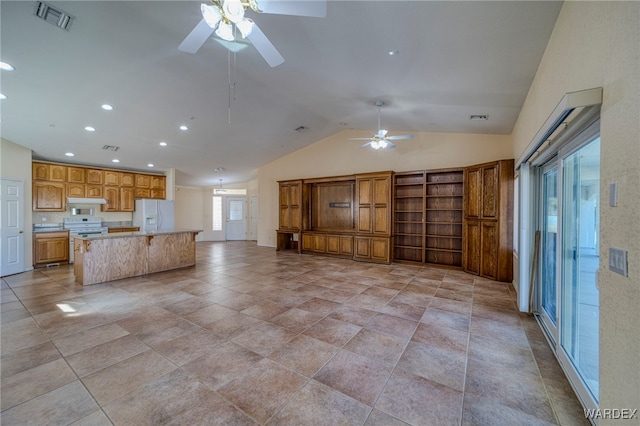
[
  {"x": 11, "y": 227},
  {"x": 236, "y": 218}
]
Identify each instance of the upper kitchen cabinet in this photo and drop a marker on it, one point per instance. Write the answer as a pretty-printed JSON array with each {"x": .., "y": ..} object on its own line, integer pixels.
[
  {"x": 49, "y": 172},
  {"x": 95, "y": 177},
  {"x": 111, "y": 178},
  {"x": 143, "y": 181},
  {"x": 488, "y": 220},
  {"x": 75, "y": 174},
  {"x": 49, "y": 196},
  {"x": 127, "y": 179}
]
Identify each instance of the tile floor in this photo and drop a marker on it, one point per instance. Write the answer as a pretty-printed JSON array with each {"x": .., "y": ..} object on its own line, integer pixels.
[{"x": 250, "y": 335}]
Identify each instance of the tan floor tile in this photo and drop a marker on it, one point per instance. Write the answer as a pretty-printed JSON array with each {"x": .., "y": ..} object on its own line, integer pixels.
[
  {"x": 21, "y": 334},
  {"x": 377, "y": 346},
  {"x": 27, "y": 358},
  {"x": 441, "y": 337},
  {"x": 319, "y": 306},
  {"x": 353, "y": 314},
  {"x": 263, "y": 390},
  {"x": 86, "y": 339},
  {"x": 419, "y": 401},
  {"x": 117, "y": 380},
  {"x": 378, "y": 418},
  {"x": 97, "y": 418},
  {"x": 393, "y": 325},
  {"x": 188, "y": 346},
  {"x": 304, "y": 355},
  {"x": 479, "y": 410},
  {"x": 35, "y": 381},
  {"x": 356, "y": 376},
  {"x": 205, "y": 316},
  {"x": 158, "y": 401},
  {"x": 101, "y": 356},
  {"x": 265, "y": 338},
  {"x": 403, "y": 310},
  {"x": 333, "y": 331},
  {"x": 212, "y": 410},
  {"x": 222, "y": 364},
  {"x": 438, "y": 365},
  {"x": 265, "y": 310},
  {"x": 438, "y": 318},
  {"x": 296, "y": 320},
  {"x": 64, "y": 405},
  {"x": 317, "y": 404}
]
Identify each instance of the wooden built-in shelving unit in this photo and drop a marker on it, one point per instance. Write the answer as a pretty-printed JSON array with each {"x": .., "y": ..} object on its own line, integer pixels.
[{"x": 428, "y": 216}]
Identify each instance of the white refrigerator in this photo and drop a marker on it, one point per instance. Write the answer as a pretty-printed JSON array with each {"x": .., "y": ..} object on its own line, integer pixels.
[{"x": 154, "y": 215}]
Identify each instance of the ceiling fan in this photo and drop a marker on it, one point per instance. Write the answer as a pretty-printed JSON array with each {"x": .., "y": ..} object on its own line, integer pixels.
[
  {"x": 221, "y": 16},
  {"x": 381, "y": 140}
]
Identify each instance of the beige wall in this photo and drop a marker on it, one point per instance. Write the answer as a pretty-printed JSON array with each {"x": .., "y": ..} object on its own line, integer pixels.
[
  {"x": 337, "y": 155},
  {"x": 15, "y": 163},
  {"x": 597, "y": 44}
]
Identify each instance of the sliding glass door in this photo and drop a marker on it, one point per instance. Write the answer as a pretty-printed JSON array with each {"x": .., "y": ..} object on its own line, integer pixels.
[
  {"x": 568, "y": 218},
  {"x": 579, "y": 307}
]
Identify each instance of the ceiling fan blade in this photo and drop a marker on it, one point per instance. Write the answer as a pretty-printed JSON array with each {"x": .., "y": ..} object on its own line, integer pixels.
[
  {"x": 365, "y": 145},
  {"x": 313, "y": 8},
  {"x": 390, "y": 145},
  {"x": 395, "y": 138},
  {"x": 360, "y": 139},
  {"x": 265, "y": 47},
  {"x": 196, "y": 37}
]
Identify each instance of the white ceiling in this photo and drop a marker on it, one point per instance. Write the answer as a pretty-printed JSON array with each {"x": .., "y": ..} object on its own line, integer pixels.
[{"x": 455, "y": 59}]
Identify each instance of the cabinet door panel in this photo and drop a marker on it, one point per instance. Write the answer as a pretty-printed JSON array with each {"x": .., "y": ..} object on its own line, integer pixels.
[
  {"x": 490, "y": 192},
  {"x": 380, "y": 249},
  {"x": 489, "y": 249},
  {"x": 294, "y": 194},
  {"x": 94, "y": 191},
  {"x": 127, "y": 179},
  {"x": 158, "y": 194},
  {"x": 57, "y": 173},
  {"x": 363, "y": 247},
  {"x": 473, "y": 194},
  {"x": 158, "y": 182},
  {"x": 320, "y": 243},
  {"x": 75, "y": 174},
  {"x": 39, "y": 171},
  {"x": 49, "y": 196},
  {"x": 142, "y": 193},
  {"x": 472, "y": 247},
  {"x": 95, "y": 176},
  {"x": 381, "y": 190},
  {"x": 76, "y": 190},
  {"x": 364, "y": 219},
  {"x": 333, "y": 244},
  {"x": 295, "y": 217},
  {"x": 127, "y": 200},
  {"x": 346, "y": 244},
  {"x": 381, "y": 223},
  {"x": 111, "y": 178},
  {"x": 285, "y": 216},
  {"x": 112, "y": 195},
  {"x": 364, "y": 191},
  {"x": 143, "y": 181},
  {"x": 307, "y": 242}
]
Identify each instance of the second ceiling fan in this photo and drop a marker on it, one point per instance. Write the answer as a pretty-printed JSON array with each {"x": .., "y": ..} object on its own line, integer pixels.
[
  {"x": 226, "y": 17},
  {"x": 381, "y": 140}
]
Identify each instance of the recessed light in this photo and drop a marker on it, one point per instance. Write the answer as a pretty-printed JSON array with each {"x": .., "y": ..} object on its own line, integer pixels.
[
  {"x": 3, "y": 96},
  {"x": 184, "y": 128},
  {"x": 163, "y": 144},
  {"x": 106, "y": 107},
  {"x": 150, "y": 165},
  {"x": 6, "y": 67},
  {"x": 393, "y": 52},
  {"x": 90, "y": 129},
  {"x": 69, "y": 154},
  {"x": 115, "y": 160}
]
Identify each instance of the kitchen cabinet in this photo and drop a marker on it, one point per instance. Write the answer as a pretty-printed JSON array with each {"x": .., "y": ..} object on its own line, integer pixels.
[
  {"x": 327, "y": 243},
  {"x": 111, "y": 178},
  {"x": 143, "y": 181},
  {"x": 95, "y": 177},
  {"x": 158, "y": 182},
  {"x": 127, "y": 179},
  {"x": 127, "y": 199},
  {"x": 76, "y": 190},
  {"x": 75, "y": 174},
  {"x": 94, "y": 191},
  {"x": 373, "y": 196},
  {"x": 488, "y": 220},
  {"x": 50, "y": 247},
  {"x": 124, "y": 229},
  {"x": 112, "y": 195},
  {"x": 48, "y": 172},
  {"x": 49, "y": 196},
  {"x": 142, "y": 193},
  {"x": 372, "y": 249},
  {"x": 340, "y": 245}
]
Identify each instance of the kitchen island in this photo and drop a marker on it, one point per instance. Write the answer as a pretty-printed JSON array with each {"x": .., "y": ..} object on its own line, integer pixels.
[{"x": 108, "y": 257}]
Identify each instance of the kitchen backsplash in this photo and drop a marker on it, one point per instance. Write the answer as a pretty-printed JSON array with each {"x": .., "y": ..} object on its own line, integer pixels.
[{"x": 56, "y": 217}]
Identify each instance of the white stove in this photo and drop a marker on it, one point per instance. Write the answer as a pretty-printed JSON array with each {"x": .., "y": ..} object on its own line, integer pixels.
[{"x": 81, "y": 226}]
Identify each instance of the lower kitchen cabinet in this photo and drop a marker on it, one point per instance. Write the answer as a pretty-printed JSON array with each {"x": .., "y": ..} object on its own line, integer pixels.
[
  {"x": 50, "y": 247},
  {"x": 373, "y": 249},
  {"x": 324, "y": 243}
]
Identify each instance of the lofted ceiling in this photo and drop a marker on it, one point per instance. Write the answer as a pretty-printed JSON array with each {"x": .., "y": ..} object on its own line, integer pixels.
[{"x": 454, "y": 59}]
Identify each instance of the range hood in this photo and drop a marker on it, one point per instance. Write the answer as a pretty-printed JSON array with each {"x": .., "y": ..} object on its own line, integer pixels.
[{"x": 76, "y": 200}]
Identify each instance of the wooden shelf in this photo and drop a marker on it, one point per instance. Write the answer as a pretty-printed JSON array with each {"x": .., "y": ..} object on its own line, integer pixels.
[{"x": 436, "y": 229}]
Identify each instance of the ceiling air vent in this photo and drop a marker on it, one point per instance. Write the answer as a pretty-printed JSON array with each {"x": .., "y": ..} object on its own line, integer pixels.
[
  {"x": 53, "y": 15},
  {"x": 111, "y": 148}
]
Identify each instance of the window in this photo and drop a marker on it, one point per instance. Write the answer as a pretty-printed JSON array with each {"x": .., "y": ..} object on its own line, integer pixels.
[{"x": 217, "y": 213}]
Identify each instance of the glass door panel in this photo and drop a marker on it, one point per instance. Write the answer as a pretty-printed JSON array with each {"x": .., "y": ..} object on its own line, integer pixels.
[
  {"x": 579, "y": 313},
  {"x": 548, "y": 250}
]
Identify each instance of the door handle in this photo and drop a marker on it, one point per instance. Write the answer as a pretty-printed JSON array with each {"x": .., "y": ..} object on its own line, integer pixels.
[{"x": 20, "y": 231}]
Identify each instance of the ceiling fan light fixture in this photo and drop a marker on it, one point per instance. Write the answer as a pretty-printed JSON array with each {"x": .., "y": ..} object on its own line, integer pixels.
[
  {"x": 245, "y": 26},
  {"x": 225, "y": 31},
  {"x": 233, "y": 10},
  {"x": 383, "y": 144},
  {"x": 211, "y": 14}
]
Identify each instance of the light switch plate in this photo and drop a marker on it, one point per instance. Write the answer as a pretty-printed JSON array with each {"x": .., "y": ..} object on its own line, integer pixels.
[{"x": 618, "y": 261}]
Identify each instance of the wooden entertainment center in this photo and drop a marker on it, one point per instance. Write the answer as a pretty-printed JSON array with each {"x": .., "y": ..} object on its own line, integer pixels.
[{"x": 458, "y": 218}]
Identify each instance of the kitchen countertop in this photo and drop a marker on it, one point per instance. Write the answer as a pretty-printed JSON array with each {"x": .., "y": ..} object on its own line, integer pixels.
[
  {"x": 96, "y": 237},
  {"x": 49, "y": 227}
]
